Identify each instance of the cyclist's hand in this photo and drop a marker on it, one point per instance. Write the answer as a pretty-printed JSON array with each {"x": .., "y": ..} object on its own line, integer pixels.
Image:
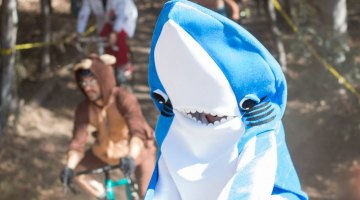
[
  {"x": 66, "y": 176},
  {"x": 127, "y": 165},
  {"x": 112, "y": 38}
]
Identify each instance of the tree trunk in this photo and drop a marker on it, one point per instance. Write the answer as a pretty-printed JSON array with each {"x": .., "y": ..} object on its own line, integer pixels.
[
  {"x": 8, "y": 88},
  {"x": 333, "y": 20},
  {"x": 46, "y": 15},
  {"x": 277, "y": 34}
]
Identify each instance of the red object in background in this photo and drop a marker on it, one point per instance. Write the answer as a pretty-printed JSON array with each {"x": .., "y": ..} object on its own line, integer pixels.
[{"x": 122, "y": 54}]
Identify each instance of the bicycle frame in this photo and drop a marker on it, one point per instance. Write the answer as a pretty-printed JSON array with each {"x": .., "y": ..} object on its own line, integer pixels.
[{"x": 111, "y": 184}]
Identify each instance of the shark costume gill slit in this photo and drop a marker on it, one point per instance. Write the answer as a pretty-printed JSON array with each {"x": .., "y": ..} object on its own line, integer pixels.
[{"x": 221, "y": 96}]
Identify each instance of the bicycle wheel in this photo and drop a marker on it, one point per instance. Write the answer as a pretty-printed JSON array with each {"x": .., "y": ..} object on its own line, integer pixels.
[{"x": 133, "y": 190}]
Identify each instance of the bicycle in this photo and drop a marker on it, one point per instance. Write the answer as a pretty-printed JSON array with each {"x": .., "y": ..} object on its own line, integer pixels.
[{"x": 130, "y": 185}]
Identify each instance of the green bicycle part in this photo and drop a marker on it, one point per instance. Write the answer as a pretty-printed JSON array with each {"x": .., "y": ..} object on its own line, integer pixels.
[{"x": 109, "y": 185}]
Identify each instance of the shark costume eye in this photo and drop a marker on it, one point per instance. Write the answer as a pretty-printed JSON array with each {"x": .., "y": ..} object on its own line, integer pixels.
[
  {"x": 166, "y": 108},
  {"x": 247, "y": 104},
  {"x": 257, "y": 111},
  {"x": 160, "y": 96},
  {"x": 249, "y": 101}
]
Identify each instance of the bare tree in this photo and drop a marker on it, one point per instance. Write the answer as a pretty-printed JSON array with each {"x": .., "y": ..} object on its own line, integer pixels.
[
  {"x": 8, "y": 88},
  {"x": 333, "y": 18},
  {"x": 277, "y": 34},
  {"x": 46, "y": 15}
]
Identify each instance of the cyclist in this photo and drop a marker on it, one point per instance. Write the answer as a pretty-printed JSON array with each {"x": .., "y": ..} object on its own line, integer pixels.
[
  {"x": 115, "y": 20},
  {"x": 121, "y": 130}
]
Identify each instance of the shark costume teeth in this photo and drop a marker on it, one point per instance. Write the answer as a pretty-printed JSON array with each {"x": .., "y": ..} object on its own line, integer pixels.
[
  {"x": 221, "y": 97},
  {"x": 205, "y": 118}
]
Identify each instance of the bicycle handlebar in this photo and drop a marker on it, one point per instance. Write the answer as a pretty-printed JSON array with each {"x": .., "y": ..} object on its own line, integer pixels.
[
  {"x": 101, "y": 41},
  {"x": 98, "y": 170},
  {"x": 92, "y": 39}
]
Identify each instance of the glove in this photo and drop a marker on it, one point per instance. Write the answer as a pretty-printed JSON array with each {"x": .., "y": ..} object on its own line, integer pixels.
[
  {"x": 127, "y": 165},
  {"x": 66, "y": 176}
]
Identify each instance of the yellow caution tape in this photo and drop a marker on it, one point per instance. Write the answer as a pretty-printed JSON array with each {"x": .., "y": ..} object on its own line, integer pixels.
[
  {"x": 23, "y": 47},
  {"x": 19, "y": 47},
  {"x": 332, "y": 70},
  {"x": 90, "y": 30},
  {"x": 286, "y": 17}
]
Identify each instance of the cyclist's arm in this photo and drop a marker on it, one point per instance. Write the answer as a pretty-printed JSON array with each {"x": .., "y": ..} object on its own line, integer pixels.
[
  {"x": 73, "y": 158},
  {"x": 83, "y": 16},
  {"x": 79, "y": 137},
  {"x": 256, "y": 170},
  {"x": 136, "y": 145},
  {"x": 138, "y": 127}
]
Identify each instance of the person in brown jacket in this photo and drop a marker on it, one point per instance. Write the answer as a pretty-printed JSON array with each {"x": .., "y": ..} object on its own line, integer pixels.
[{"x": 122, "y": 134}]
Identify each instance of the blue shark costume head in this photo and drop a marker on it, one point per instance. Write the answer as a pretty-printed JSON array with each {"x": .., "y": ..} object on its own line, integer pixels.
[{"x": 221, "y": 96}]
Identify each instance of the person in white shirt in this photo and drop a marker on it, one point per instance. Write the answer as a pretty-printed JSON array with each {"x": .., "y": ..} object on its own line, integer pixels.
[{"x": 115, "y": 20}]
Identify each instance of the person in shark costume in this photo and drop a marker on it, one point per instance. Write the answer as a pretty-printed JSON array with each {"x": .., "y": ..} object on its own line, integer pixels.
[{"x": 221, "y": 96}]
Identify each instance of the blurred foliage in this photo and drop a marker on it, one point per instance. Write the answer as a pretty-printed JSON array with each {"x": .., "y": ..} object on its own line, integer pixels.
[{"x": 338, "y": 52}]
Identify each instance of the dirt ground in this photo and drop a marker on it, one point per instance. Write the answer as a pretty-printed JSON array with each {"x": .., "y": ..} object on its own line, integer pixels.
[{"x": 322, "y": 120}]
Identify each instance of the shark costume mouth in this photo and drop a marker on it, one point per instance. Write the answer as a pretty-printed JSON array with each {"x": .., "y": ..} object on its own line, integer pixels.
[{"x": 206, "y": 118}]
